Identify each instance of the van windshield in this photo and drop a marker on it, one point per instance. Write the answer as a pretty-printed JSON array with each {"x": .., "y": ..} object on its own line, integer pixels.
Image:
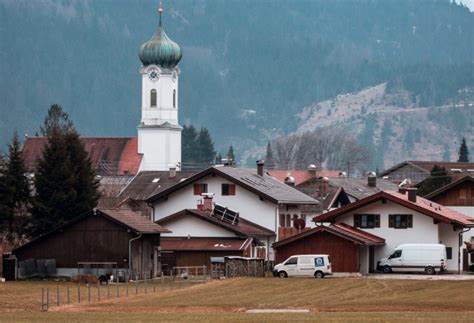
[{"x": 395, "y": 254}]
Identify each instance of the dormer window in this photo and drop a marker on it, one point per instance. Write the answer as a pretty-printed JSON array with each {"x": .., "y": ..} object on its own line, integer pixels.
[{"x": 153, "y": 98}]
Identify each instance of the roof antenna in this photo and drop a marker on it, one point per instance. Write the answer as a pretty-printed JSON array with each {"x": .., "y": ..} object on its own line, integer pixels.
[{"x": 160, "y": 12}]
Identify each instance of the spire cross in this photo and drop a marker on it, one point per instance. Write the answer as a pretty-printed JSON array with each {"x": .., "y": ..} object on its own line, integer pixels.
[{"x": 160, "y": 12}]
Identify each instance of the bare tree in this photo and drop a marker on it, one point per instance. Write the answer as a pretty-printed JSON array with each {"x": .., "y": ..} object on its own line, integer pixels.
[{"x": 327, "y": 147}]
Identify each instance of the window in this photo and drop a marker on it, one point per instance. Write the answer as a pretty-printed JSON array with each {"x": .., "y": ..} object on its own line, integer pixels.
[
  {"x": 395, "y": 254},
  {"x": 174, "y": 98},
  {"x": 400, "y": 221},
  {"x": 449, "y": 252},
  {"x": 282, "y": 220},
  {"x": 228, "y": 189},
  {"x": 292, "y": 261},
  {"x": 200, "y": 188},
  {"x": 153, "y": 98},
  {"x": 367, "y": 221},
  {"x": 288, "y": 220}
]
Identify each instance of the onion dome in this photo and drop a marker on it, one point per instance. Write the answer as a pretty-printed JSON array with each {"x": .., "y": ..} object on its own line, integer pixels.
[{"x": 160, "y": 49}]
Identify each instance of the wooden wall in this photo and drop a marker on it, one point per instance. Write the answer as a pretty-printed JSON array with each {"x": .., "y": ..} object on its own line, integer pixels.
[
  {"x": 344, "y": 254},
  {"x": 461, "y": 195},
  {"x": 93, "y": 239}
]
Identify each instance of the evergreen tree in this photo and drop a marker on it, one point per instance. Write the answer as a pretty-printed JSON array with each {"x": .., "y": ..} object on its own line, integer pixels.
[
  {"x": 269, "y": 158},
  {"x": 219, "y": 159},
  {"x": 65, "y": 181},
  {"x": 56, "y": 121},
  {"x": 14, "y": 192},
  {"x": 231, "y": 156},
  {"x": 189, "y": 146},
  {"x": 205, "y": 145},
  {"x": 463, "y": 152},
  {"x": 85, "y": 183}
]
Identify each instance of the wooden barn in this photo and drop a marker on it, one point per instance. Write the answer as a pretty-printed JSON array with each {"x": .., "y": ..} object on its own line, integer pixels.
[
  {"x": 343, "y": 243},
  {"x": 118, "y": 241}
]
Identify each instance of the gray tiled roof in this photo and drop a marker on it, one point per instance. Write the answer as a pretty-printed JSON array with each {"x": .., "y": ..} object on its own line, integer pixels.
[
  {"x": 268, "y": 185},
  {"x": 149, "y": 183},
  {"x": 265, "y": 186},
  {"x": 358, "y": 188}
]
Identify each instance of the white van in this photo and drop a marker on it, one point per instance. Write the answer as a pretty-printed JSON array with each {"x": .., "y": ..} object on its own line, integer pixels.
[
  {"x": 428, "y": 258},
  {"x": 304, "y": 265}
]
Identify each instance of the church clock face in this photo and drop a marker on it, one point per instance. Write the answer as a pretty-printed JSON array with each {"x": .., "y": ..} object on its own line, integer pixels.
[{"x": 153, "y": 75}]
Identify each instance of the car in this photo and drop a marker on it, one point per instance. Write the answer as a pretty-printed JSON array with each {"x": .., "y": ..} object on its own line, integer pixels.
[
  {"x": 415, "y": 257},
  {"x": 317, "y": 266}
]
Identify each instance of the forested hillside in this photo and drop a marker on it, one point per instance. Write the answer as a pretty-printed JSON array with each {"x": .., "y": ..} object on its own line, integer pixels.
[{"x": 248, "y": 68}]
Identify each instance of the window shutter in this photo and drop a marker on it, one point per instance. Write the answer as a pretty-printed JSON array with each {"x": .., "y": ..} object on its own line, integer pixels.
[
  {"x": 377, "y": 221},
  {"x": 356, "y": 220},
  {"x": 231, "y": 189},
  {"x": 391, "y": 220},
  {"x": 197, "y": 189},
  {"x": 410, "y": 220}
]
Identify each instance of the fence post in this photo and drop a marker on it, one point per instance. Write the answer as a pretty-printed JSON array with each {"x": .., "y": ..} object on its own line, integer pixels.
[
  {"x": 67, "y": 294},
  {"x": 47, "y": 298},
  {"x": 89, "y": 292},
  {"x": 78, "y": 292},
  {"x": 145, "y": 284},
  {"x": 57, "y": 295},
  {"x": 108, "y": 291},
  {"x": 127, "y": 287},
  {"x": 136, "y": 287},
  {"x": 118, "y": 292},
  {"x": 154, "y": 285},
  {"x": 42, "y": 299},
  {"x": 98, "y": 291}
]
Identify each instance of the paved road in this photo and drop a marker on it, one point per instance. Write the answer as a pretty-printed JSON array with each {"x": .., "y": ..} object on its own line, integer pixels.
[{"x": 422, "y": 276}]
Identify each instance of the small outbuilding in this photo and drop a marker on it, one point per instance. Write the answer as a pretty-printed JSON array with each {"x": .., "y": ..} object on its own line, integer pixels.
[
  {"x": 115, "y": 240},
  {"x": 346, "y": 246}
]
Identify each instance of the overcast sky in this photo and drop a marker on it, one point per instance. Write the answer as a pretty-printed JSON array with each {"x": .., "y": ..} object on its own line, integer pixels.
[{"x": 469, "y": 3}]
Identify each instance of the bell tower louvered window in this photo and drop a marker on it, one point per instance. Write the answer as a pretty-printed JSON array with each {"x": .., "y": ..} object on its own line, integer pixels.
[{"x": 153, "y": 98}]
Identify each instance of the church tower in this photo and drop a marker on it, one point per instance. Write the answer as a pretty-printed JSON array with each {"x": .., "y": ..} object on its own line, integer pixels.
[{"x": 159, "y": 133}]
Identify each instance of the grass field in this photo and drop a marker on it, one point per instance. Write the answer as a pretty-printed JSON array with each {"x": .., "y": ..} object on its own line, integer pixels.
[{"x": 341, "y": 299}]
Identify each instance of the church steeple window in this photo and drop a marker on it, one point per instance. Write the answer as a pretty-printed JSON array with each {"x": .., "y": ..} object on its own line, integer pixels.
[
  {"x": 153, "y": 98},
  {"x": 174, "y": 98}
]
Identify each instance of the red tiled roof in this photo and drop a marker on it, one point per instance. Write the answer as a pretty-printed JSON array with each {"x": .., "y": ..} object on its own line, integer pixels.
[
  {"x": 204, "y": 244},
  {"x": 134, "y": 221},
  {"x": 109, "y": 155},
  {"x": 424, "y": 206},
  {"x": 243, "y": 227},
  {"x": 362, "y": 234},
  {"x": 342, "y": 230},
  {"x": 300, "y": 175}
]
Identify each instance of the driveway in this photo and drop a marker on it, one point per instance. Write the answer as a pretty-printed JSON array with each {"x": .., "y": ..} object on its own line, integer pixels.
[{"x": 446, "y": 276}]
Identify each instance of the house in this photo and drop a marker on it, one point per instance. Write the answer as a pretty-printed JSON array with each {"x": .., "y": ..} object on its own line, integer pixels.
[
  {"x": 115, "y": 240},
  {"x": 394, "y": 218},
  {"x": 146, "y": 184},
  {"x": 459, "y": 196},
  {"x": 346, "y": 246},
  {"x": 199, "y": 234},
  {"x": 417, "y": 170},
  {"x": 335, "y": 192},
  {"x": 256, "y": 196}
]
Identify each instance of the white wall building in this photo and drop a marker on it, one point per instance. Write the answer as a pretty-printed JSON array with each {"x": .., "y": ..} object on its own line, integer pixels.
[
  {"x": 401, "y": 218},
  {"x": 260, "y": 199},
  {"x": 159, "y": 133}
]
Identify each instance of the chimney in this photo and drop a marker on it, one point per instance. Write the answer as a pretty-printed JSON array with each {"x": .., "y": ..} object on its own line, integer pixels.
[
  {"x": 411, "y": 194},
  {"x": 312, "y": 170},
  {"x": 402, "y": 190},
  {"x": 323, "y": 187},
  {"x": 260, "y": 164},
  {"x": 372, "y": 179},
  {"x": 172, "y": 170},
  {"x": 207, "y": 205},
  {"x": 290, "y": 181}
]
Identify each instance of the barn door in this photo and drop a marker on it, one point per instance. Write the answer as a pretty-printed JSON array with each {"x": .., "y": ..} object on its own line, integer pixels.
[
  {"x": 168, "y": 261},
  {"x": 9, "y": 265}
]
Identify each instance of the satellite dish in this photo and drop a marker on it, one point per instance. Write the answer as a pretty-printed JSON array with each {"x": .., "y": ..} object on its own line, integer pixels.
[{"x": 299, "y": 224}]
